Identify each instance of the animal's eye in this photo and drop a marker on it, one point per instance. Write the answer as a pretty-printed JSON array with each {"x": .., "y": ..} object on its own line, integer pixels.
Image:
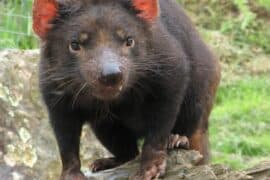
[
  {"x": 74, "y": 46},
  {"x": 130, "y": 42}
]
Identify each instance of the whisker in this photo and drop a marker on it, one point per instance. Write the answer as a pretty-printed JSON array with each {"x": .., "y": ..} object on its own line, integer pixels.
[
  {"x": 58, "y": 100},
  {"x": 77, "y": 94}
]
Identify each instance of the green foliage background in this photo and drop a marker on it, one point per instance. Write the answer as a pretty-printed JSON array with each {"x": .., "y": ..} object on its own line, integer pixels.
[
  {"x": 16, "y": 25},
  {"x": 238, "y": 31}
]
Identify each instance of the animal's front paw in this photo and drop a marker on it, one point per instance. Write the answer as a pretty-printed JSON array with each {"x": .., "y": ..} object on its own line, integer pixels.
[
  {"x": 72, "y": 175},
  {"x": 177, "y": 141},
  {"x": 152, "y": 169}
]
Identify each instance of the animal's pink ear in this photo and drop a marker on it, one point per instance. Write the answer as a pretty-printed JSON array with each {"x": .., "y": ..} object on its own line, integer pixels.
[
  {"x": 148, "y": 9},
  {"x": 44, "y": 11}
]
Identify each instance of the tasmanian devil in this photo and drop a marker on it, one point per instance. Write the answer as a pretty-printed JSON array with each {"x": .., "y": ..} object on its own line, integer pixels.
[{"x": 131, "y": 69}]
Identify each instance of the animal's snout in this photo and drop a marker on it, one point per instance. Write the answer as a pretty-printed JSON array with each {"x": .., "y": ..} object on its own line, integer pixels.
[{"x": 111, "y": 75}]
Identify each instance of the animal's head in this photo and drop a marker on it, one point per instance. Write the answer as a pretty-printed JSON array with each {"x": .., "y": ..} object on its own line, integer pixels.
[{"x": 98, "y": 42}]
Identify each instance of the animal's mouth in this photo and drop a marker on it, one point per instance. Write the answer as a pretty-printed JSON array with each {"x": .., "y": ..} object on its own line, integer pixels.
[{"x": 107, "y": 93}]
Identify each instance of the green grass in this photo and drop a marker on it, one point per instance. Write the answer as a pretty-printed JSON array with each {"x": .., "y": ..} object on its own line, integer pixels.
[
  {"x": 240, "y": 122},
  {"x": 16, "y": 25},
  {"x": 265, "y": 3},
  {"x": 243, "y": 23}
]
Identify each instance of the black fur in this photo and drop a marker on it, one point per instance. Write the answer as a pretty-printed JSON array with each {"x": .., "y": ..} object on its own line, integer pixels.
[{"x": 170, "y": 88}]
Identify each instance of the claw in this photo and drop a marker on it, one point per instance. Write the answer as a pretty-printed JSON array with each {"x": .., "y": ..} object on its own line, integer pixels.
[{"x": 177, "y": 141}]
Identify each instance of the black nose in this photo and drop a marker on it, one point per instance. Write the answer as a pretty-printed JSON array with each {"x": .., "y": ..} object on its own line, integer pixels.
[{"x": 111, "y": 75}]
